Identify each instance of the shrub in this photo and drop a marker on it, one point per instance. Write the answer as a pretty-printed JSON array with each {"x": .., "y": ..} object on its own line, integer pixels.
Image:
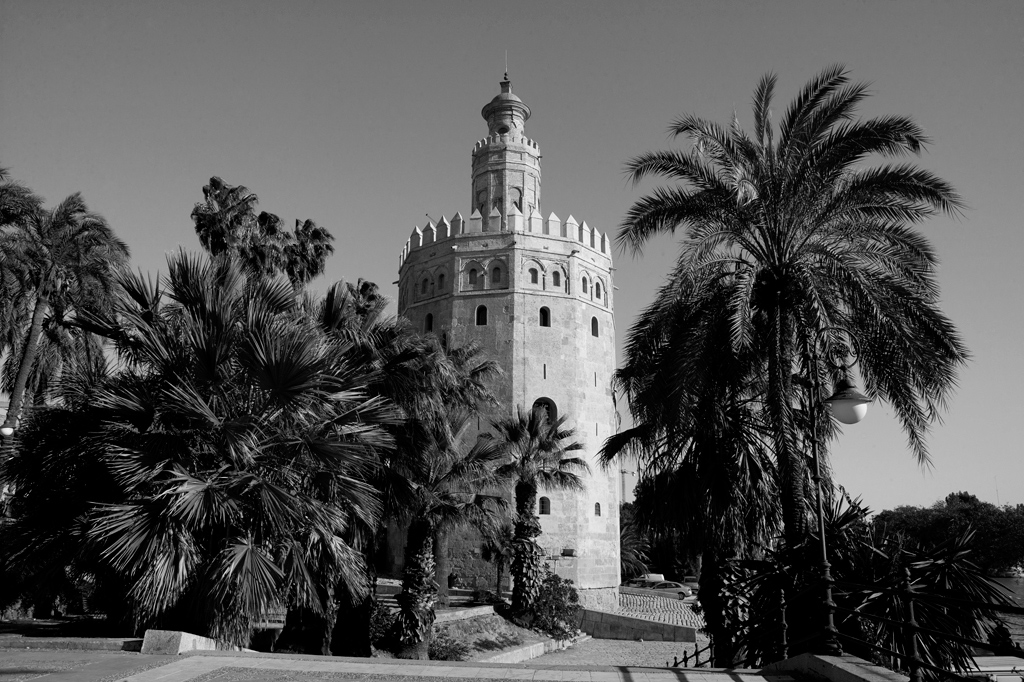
[
  {"x": 557, "y": 609},
  {"x": 443, "y": 647},
  {"x": 381, "y": 622}
]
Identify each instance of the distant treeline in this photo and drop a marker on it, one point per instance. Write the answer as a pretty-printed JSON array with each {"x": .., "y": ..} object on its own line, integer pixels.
[{"x": 999, "y": 531}]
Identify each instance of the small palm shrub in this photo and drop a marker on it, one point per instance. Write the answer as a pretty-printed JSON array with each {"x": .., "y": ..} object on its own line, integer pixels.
[{"x": 381, "y": 622}]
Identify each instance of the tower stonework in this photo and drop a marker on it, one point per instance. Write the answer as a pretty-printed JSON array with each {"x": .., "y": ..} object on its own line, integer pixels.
[{"x": 537, "y": 294}]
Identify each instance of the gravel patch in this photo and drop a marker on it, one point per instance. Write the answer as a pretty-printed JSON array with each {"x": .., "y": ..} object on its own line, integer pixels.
[{"x": 617, "y": 652}]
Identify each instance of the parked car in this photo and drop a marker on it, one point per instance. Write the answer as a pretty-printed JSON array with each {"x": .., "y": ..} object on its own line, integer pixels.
[
  {"x": 645, "y": 580},
  {"x": 664, "y": 588},
  {"x": 691, "y": 582}
]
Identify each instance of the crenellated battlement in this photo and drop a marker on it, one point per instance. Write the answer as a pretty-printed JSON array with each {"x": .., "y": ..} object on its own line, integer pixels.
[
  {"x": 505, "y": 139},
  {"x": 552, "y": 226}
]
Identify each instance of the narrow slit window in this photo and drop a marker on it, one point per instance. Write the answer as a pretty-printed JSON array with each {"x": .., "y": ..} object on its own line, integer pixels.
[
  {"x": 440, "y": 282},
  {"x": 597, "y": 290},
  {"x": 428, "y": 323},
  {"x": 481, "y": 316},
  {"x": 597, "y": 509},
  {"x": 594, "y": 327},
  {"x": 584, "y": 285},
  {"x": 472, "y": 277},
  {"x": 545, "y": 370},
  {"x": 545, "y": 317},
  {"x": 534, "y": 276},
  {"x": 556, "y": 279}
]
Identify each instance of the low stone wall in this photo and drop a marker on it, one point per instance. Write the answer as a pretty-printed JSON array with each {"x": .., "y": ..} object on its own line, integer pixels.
[
  {"x": 605, "y": 625},
  {"x": 600, "y": 598},
  {"x": 174, "y": 642}
]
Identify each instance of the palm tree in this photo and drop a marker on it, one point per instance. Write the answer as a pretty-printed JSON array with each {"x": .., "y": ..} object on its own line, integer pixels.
[
  {"x": 498, "y": 548},
  {"x": 236, "y": 443},
  {"x": 813, "y": 248},
  {"x": 537, "y": 454},
  {"x": 65, "y": 261},
  {"x": 227, "y": 225},
  {"x": 449, "y": 485}
]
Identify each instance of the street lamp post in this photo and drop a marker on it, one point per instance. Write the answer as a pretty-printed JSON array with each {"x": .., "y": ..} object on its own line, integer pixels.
[{"x": 848, "y": 406}]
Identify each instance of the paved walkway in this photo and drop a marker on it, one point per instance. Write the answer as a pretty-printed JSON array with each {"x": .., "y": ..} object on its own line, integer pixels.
[
  {"x": 96, "y": 666},
  {"x": 19, "y": 665},
  {"x": 219, "y": 667}
]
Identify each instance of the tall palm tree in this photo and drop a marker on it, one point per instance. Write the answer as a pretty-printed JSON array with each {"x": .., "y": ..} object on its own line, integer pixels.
[
  {"x": 237, "y": 444},
  {"x": 65, "y": 260},
  {"x": 815, "y": 247},
  {"x": 538, "y": 454},
  {"x": 699, "y": 435},
  {"x": 451, "y": 488},
  {"x": 227, "y": 225}
]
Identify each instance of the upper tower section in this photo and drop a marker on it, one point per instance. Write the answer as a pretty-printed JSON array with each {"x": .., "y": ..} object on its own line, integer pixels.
[{"x": 506, "y": 164}]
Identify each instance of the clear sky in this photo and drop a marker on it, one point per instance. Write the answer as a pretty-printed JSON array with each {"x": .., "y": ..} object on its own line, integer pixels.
[{"x": 362, "y": 116}]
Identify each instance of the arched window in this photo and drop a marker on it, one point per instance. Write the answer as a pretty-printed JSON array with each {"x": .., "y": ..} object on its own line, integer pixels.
[
  {"x": 556, "y": 278},
  {"x": 534, "y": 276},
  {"x": 481, "y": 316},
  {"x": 547, "y": 408},
  {"x": 597, "y": 509},
  {"x": 584, "y": 286},
  {"x": 428, "y": 323},
  {"x": 496, "y": 276},
  {"x": 425, "y": 286},
  {"x": 597, "y": 290},
  {"x": 544, "y": 506},
  {"x": 440, "y": 282},
  {"x": 472, "y": 277},
  {"x": 545, "y": 317},
  {"x": 593, "y": 327}
]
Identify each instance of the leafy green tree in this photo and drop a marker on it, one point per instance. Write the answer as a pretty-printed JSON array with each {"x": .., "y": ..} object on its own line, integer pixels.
[
  {"x": 230, "y": 454},
  {"x": 999, "y": 531},
  {"x": 538, "y": 454},
  {"x": 57, "y": 263},
  {"x": 810, "y": 245}
]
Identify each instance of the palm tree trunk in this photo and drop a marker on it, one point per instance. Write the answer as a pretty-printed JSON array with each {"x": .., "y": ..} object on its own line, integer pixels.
[
  {"x": 526, "y": 553},
  {"x": 419, "y": 591},
  {"x": 28, "y": 358},
  {"x": 791, "y": 463},
  {"x": 443, "y": 567}
]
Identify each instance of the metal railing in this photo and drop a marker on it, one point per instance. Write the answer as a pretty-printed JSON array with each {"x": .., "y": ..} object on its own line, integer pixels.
[{"x": 684, "y": 662}]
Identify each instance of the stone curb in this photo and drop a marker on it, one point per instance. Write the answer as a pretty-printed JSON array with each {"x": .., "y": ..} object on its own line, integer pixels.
[{"x": 71, "y": 643}]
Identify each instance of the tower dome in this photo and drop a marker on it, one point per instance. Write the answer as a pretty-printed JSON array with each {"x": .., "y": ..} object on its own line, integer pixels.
[{"x": 506, "y": 113}]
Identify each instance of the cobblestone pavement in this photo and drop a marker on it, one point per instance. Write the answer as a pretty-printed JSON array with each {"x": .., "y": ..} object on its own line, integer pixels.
[
  {"x": 671, "y": 611},
  {"x": 617, "y": 652}
]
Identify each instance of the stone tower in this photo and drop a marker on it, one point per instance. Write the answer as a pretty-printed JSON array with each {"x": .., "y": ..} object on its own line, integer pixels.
[{"x": 536, "y": 293}]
